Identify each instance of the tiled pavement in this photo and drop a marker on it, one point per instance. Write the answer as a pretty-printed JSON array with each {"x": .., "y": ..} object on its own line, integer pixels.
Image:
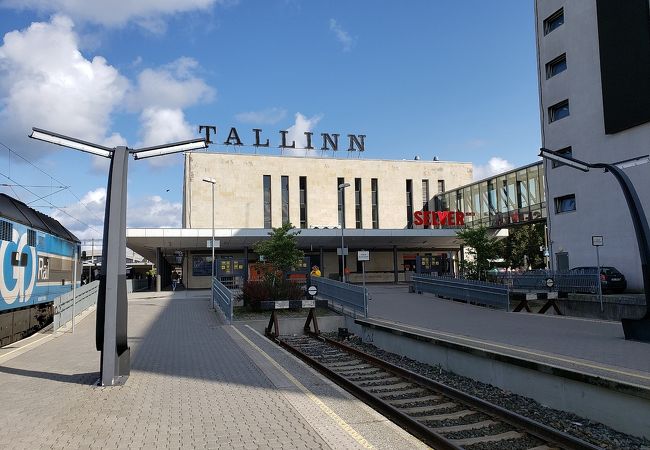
[{"x": 194, "y": 384}]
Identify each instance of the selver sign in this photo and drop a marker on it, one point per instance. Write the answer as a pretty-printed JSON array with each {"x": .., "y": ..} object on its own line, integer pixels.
[{"x": 449, "y": 218}]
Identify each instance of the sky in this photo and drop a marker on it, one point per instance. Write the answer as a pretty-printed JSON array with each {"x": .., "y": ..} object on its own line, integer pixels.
[{"x": 456, "y": 80}]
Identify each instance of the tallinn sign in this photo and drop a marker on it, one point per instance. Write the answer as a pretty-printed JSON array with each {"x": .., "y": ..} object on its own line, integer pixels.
[{"x": 329, "y": 141}]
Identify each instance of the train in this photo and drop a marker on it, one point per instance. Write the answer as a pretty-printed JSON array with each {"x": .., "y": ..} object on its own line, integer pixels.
[{"x": 37, "y": 260}]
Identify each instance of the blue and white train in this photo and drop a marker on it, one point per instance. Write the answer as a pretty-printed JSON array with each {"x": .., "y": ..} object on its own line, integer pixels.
[{"x": 36, "y": 266}]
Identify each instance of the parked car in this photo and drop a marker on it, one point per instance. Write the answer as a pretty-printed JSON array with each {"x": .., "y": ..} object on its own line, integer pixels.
[{"x": 611, "y": 280}]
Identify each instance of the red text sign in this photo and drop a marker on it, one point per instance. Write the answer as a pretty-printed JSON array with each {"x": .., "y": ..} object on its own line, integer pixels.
[{"x": 450, "y": 218}]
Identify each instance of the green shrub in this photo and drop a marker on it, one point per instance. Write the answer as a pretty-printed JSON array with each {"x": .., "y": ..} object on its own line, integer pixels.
[{"x": 254, "y": 292}]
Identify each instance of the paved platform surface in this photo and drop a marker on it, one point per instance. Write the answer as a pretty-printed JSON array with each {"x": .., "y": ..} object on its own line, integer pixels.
[
  {"x": 590, "y": 346},
  {"x": 194, "y": 383}
]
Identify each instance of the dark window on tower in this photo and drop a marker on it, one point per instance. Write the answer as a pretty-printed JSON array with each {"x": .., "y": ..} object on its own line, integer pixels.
[
  {"x": 341, "y": 197},
  {"x": 357, "y": 203},
  {"x": 425, "y": 197},
  {"x": 439, "y": 197},
  {"x": 567, "y": 151},
  {"x": 558, "y": 65},
  {"x": 554, "y": 21},
  {"x": 267, "y": 201},
  {"x": 409, "y": 203},
  {"x": 284, "y": 183},
  {"x": 558, "y": 111},
  {"x": 565, "y": 203},
  {"x": 303, "y": 202},
  {"x": 374, "y": 188}
]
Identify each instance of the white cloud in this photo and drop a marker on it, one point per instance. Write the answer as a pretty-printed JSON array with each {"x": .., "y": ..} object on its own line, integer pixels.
[
  {"x": 296, "y": 133},
  {"x": 342, "y": 36},
  {"x": 267, "y": 116},
  {"x": 47, "y": 82},
  {"x": 162, "y": 126},
  {"x": 173, "y": 85},
  {"x": 153, "y": 212},
  {"x": 494, "y": 166},
  {"x": 143, "y": 212},
  {"x": 149, "y": 14}
]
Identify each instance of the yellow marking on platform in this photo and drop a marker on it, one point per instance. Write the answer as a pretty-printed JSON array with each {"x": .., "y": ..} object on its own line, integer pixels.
[
  {"x": 326, "y": 409},
  {"x": 514, "y": 349}
]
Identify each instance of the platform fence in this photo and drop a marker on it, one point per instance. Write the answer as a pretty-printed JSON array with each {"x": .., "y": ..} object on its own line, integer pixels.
[
  {"x": 348, "y": 297},
  {"x": 223, "y": 297},
  {"x": 86, "y": 297},
  {"x": 548, "y": 280},
  {"x": 470, "y": 291}
]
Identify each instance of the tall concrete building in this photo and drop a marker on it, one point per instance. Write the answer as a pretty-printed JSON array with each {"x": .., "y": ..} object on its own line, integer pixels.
[{"x": 594, "y": 81}]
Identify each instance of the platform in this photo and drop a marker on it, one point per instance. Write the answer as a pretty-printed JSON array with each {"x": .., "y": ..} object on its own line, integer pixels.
[
  {"x": 594, "y": 347},
  {"x": 194, "y": 383}
]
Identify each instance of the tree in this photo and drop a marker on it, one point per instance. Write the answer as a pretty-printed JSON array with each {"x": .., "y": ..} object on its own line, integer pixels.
[
  {"x": 481, "y": 247},
  {"x": 522, "y": 247},
  {"x": 281, "y": 250}
]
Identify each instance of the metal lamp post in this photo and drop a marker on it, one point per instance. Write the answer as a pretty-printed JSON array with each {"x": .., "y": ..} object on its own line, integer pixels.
[
  {"x": 212, "y": 181},
  {"x": 342, "y": 186},
  {"x": 635, "y": 329},
  {"x": 112, "y": 307}
]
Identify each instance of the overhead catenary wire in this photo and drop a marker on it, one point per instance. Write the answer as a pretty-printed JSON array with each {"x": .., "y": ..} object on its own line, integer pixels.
[{"x": 51, "y": 177}]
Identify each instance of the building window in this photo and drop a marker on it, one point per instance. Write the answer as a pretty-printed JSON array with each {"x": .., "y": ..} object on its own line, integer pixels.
[
  {"x": 6, "y": 230},
  {"x": 284, "y": 183},
  {"x": 31, "y": 238},
  {"x": 374, "y": 188},
  {"x": 425, "y": 198},
  {"x": 439, "y": 200},
  {"x": 565, "y": 203},
  {"x": 267, "y": 201},
  {"x": 357, "y": 203},
  {"x": 303, "y": 202},
  {"x": 558, "y": 111},
  {"x": 341, "y": 196},
  {"x": 558, "y": 65},
  {"x": 567, "y": 151},
  {"x": 554, "y": 21},
  {"x": 409, "y": 203}
]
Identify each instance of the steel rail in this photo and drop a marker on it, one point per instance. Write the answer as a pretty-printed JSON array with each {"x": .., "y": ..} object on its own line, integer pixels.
[{"x": 517, "y": 421}]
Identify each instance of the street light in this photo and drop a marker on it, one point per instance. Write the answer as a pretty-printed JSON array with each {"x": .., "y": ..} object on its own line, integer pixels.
[
  {"x": 636, "y": 329},
  {"x": 212, "y": 181},
  {"x": 112, "y": 307},
  {"x": 342, "y": 186}
]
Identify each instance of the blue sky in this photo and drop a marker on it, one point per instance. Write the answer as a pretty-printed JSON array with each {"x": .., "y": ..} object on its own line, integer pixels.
[{"x": 456, "y": 80}]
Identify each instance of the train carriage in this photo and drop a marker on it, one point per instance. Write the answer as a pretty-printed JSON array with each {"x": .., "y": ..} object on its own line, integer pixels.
[{"x": 36, "y": 266}]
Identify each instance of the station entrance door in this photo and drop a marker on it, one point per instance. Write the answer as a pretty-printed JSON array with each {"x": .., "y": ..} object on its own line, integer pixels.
[{"x": 231, "y": 271}]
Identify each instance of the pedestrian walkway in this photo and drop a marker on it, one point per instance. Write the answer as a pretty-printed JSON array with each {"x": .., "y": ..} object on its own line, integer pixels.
[
  {"x": 594, "y": 347},
  {"x": 194, "y": 383}
]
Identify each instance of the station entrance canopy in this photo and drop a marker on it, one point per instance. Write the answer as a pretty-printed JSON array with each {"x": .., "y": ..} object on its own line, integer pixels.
[{"x": 146, "y": 241}]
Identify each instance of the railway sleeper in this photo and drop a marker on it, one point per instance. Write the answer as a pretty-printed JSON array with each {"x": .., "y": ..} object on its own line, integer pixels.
[
  {"x": 448, "y": 416},
  {"x": 408, "y": 401},
  {"x": 421, "y": 409},
  {"x": 466, "y": 427},
  {"x": 486, "y": 439}
]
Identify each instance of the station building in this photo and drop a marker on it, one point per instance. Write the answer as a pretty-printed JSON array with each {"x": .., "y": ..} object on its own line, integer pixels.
[
  {"x": 594, "y": 80},
  {"x": 382, "y": 211}
]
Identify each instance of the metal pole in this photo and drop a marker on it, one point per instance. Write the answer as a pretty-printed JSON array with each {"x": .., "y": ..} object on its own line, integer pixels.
[
  {"x": 365, "y": 293},
  {"x": 342, "y": 244},
  {"x": 74, "y": 288},
  {"x": 212, "y": 245},
  {"x": 600, "y": 288}
]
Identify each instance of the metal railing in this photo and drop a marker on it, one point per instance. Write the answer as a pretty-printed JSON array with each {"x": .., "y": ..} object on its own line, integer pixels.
[
  {"x": 548, "y": 280},
  {"x": 223, "y": 297},
  {"x": 346, "y": 295},
  {"x": 470, "y": 291},
  {"x": 63, "y": 305}
]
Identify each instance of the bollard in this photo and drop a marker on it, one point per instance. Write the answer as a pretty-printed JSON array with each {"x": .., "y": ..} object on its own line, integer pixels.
[{"x": 158, "y": 283}]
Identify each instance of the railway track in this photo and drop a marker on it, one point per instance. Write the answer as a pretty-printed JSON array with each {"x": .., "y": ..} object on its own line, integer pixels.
[{"x": 439, "y": 415}]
